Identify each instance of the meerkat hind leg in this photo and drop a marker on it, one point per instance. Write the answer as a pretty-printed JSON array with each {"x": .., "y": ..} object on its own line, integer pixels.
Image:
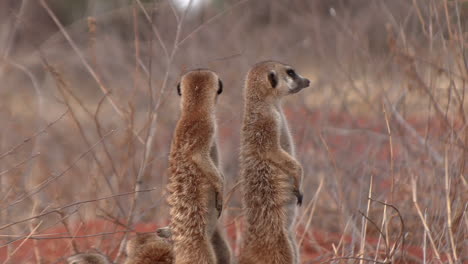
[
  {"x": 221, "y": 248},
  {"x": 291, "y": 211}
]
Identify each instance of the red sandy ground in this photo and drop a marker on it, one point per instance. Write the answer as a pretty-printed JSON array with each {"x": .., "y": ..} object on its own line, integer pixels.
[{"x": 317, "y": 247}]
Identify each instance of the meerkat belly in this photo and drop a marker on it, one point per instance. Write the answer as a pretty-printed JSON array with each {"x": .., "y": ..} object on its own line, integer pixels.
[{"x": 269, "y": 186}]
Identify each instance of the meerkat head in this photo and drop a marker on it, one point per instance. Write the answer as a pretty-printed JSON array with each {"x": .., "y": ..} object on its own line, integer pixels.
[
  {"x": 197, "y": 86},
  {"x": 274, "y": 79},
  {"x": 88, "y": 258}
]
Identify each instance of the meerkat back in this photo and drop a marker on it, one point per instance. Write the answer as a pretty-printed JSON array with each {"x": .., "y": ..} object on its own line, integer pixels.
[{"x": 195, "y": 183}]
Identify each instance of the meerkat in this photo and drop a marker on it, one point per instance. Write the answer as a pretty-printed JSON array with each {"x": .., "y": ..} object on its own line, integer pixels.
[
  {"x": 88, "y": 258},
  {"x": 270, "y": 174},
  {"x": 149, "y": 248},
  {"x": 195, "y": 183}
]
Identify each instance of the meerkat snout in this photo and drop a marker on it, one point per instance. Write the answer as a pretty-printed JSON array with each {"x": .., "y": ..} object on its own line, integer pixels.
[
  {"x": 287, "y": 81},
  {"x": 295, "y": 81}
]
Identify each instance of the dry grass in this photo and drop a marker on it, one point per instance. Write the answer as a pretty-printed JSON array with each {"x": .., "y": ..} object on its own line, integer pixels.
[{"x": 89, "y": 105}]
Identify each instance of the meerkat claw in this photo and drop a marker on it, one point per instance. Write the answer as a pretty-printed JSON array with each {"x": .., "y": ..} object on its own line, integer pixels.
[
  {"x": 219, "y": 204},
  {"x": 299, "y": 197}
]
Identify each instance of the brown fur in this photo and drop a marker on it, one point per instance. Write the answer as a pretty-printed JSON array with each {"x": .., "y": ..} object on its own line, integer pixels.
[
  {"x": 88, "y": 258},
  {"x": 149, "y": 248},
  {"x": 220, "y": 245},
  {"x": 195, "y": 184},
  {"x": 270, "y": 174}
]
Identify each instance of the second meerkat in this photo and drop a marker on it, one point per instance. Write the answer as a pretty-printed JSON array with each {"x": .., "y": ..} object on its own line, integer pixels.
[
  {"x": 270, "y": 174},
  {"x": 150, "y": 248},
  {"x": 196, "y": 183}
]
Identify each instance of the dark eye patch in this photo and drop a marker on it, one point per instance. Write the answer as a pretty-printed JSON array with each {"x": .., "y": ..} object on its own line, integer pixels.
[
  {"x": 178, "y": 89},
  {"x": 220, "y": 88},
  {"x": 273, "y": 79},
  {"x": 291, "y": 73}
]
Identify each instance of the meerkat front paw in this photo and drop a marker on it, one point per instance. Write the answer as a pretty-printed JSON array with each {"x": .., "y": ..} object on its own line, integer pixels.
[
  {"x": 297, "y": 191},
  {"x": 299, "y": 196},
  {"x": 218, "y": 188},
  {"x": 219, "y": 203}
]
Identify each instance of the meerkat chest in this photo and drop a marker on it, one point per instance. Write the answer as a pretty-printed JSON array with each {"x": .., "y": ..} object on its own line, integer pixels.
[{"x": 277, "y": 117}]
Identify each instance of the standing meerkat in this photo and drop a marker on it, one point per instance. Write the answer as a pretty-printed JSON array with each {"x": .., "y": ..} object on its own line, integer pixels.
[
  {"x": 196, "y": 184},
  {"x": 88, "y": 258},
  {"x": 149, "y": 248},
  {"x": 270, "y": 174}
]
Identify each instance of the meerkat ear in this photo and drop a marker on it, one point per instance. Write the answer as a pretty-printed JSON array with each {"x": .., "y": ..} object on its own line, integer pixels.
[
  {"x": 273, "y": 79},
  {"x": 178, "y": 89},
  {"x": 220, "y": 88}
]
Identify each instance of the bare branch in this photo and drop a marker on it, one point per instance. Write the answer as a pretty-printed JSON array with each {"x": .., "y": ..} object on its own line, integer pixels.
[
  {"x": 71, "y": 205},
  {"x": 20, "y": 164},
  {"x": 432, "y": 152},
  {"x": 154, "y": 28},
  {"x": 88, "y": 67},
  {"x": 44, "y": 184}
]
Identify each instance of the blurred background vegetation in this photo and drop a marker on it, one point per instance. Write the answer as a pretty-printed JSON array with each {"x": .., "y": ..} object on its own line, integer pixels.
[{"x": 88, "y": 107}]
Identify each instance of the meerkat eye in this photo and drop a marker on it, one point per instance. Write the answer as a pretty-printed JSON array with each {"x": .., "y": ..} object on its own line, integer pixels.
[
  {"x": 291, "y": 73},
  {"x": 178, "y": 90},
  {"x": 220, "y": 88},
  {"x": 273, "y": 79}
]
